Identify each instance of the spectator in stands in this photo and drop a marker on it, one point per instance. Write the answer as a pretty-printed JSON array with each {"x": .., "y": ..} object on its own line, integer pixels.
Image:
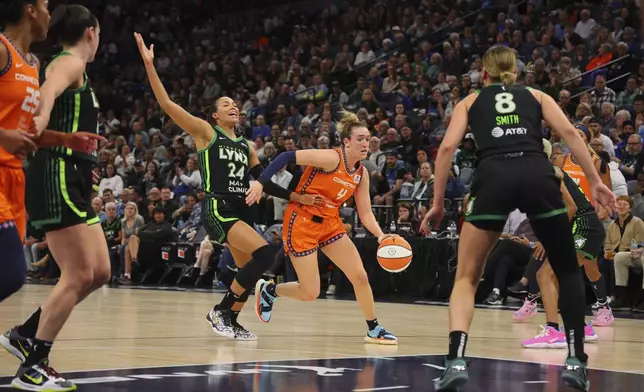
[
  {"x": 112, "y": 230},
  {"x": 624, "y": 240},
  {"x": 602, "y": 93},
  {"x": 454, "y": 189},
  {"x": 147, "y": 241},
  {"x": 389, "y": 180},
  {"x": 633, "y": 161},
  {"x": 188, "y": 180},
  {"x": 183, "y": 213},
  {"x": 111, "y": 181},
  {"x": 407, "y": 216},
  {"x": 627, "y": 96},
  {"x": 466, "y": 155},
  {"x": 97, "y": 206},
  {"x": 151, "y": 178},
  {"x": 124, "y": 161},
  {"x": 595, "y": 129},
  {"x": 424, "y": 187}
]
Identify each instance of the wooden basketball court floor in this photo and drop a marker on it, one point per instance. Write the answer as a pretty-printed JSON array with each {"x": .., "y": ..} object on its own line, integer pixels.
[{"x": 131, "y": 328}]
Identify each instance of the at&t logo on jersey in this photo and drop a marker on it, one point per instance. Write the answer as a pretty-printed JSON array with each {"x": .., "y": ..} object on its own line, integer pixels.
[{"x": 499, "y": 132}]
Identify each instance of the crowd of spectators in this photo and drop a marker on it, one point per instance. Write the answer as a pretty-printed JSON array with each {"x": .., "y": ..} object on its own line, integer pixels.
[{"x": 401, "y": 65}]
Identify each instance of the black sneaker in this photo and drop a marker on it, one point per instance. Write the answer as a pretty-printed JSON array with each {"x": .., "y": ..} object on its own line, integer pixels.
[
  {"x": 454, "y": 376},
  {"x": 493, "y": 299},
  {"x": 221, "y": 321},
  {"x": 41, "y": 377},
  {"x": 575, "y": 374},
  {"x": 242, "y": 333},
  {"x": 518, "y": 288},
  {"x": 16, "y": 345}
]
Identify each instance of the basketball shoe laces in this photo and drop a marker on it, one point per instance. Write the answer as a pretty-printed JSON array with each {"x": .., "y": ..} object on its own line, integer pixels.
[{"x": 51, "y": 373}]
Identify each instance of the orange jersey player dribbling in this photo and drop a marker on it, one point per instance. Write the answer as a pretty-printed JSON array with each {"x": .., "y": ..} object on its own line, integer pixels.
[
  {"x": 302, "y": 233},
  {"x": 335, "y": 175}
]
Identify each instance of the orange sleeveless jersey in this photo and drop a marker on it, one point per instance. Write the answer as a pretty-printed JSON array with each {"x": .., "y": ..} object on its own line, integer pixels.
[
  {"x": 19, "y": 97},
  {"x": 577, "y": 174},
  {"x": 336, "y": 186}
]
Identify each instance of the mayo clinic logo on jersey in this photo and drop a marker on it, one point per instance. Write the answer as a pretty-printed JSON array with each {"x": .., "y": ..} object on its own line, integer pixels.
[
  {"x": 499, "y": 132},
  {"x": 24, "y": 78}
]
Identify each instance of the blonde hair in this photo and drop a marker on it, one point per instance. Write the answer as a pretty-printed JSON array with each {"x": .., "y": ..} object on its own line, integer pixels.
[
  {"x": 500, "y": 63},
  {"x": 136, "y": 210},
  {"x": 348, "y": 121}
]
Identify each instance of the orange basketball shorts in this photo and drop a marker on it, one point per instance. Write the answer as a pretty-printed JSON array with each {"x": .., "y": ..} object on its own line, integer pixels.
[
  {"x": 304, "y": 233},
  {"x": 12, "y": 199}
]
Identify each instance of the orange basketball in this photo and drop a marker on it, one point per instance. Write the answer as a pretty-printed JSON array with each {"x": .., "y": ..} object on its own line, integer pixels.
[{"x": 394, "y": 254}]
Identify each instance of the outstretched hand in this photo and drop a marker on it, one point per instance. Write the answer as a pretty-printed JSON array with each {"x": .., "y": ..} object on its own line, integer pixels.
[
  {"x": 435, "y": 215},
  {"x": 604, "y": 197},
  {"x": 83, "y": 142},
  {"x": 147, "y": 54}
]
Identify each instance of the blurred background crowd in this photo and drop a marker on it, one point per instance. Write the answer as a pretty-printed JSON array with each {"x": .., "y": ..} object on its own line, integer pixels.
[{"x": 401, "y": 65}]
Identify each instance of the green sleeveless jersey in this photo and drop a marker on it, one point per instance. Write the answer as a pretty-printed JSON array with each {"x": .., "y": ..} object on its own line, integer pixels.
[
  {"x": 75, "y": 110},
  {"x": 223, "y": 165}
]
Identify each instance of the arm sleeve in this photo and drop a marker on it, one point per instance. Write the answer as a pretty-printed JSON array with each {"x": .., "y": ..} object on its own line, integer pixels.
[
  {"x": 282, "y": 160},
  {"x": 270, "y": 187}
]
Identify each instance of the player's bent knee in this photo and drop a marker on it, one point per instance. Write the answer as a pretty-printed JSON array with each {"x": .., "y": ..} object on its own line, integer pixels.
[
  {"x": 359, "y": 279},
  {"x": 262, "y": 261},
  {"x": 101, "y": 276},
  {"x": 309, "y": 293}
]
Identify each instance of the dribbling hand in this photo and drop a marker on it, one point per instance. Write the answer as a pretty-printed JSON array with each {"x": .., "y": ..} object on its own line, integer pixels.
[
  {"x": 435, "y": 214},
  {"x": 385, "y": 236},
  {"x": 146, "y": 54},
  {"x": 604, "y": 197},
  {"x": 254, "y": 193}
]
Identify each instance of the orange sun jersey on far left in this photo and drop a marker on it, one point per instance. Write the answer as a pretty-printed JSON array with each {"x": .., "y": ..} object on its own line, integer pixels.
[{"x": 19, "y": 96}]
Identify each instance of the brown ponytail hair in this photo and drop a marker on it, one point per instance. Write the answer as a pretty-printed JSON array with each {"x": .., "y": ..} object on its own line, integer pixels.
[{"x": 500, "y": 63}]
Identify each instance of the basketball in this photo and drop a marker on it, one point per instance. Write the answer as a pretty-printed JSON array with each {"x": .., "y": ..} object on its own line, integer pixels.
[{"x": 394, "y": 254}]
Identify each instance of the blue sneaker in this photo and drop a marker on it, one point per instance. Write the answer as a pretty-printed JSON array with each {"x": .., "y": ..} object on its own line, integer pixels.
[
  {"x": 379, "y": 335},
  {"x": 263, "y": 300}
]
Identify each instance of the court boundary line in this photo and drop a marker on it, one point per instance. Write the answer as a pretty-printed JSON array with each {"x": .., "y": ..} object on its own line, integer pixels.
[{"x": 333, "y": 358}]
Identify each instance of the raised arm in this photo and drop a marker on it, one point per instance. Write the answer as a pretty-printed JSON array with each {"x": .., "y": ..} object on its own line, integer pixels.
[{"x": 199, "y": 129}]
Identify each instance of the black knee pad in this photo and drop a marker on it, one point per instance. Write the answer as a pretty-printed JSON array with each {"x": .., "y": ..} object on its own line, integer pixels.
[
  {"x": 262, "y": 261},
  {"x": 243, "y": 297}
]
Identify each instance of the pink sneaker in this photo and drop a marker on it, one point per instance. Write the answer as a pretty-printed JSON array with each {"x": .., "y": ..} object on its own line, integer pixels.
[
  {"x": 548, "y": 338},
  {"x": 603, "y": 317},
  {"x": 528, "y": 309},
  {"x": 589, "y": 332}
]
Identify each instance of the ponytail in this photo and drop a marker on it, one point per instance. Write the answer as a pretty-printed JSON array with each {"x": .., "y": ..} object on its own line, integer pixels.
[{"x": 69, "y": 22}]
